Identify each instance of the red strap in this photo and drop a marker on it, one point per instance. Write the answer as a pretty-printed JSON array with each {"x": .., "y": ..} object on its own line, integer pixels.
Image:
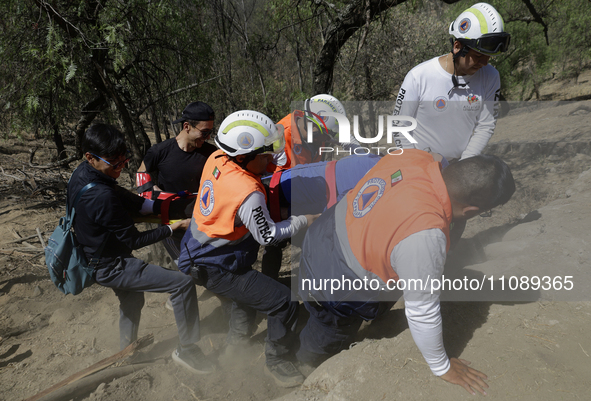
[
  {"x": 275, "y": 209},
  {"x": 144, "y": 184},
  {"x": 164, "y": 216},
  {"x": 331, "y": 183}
]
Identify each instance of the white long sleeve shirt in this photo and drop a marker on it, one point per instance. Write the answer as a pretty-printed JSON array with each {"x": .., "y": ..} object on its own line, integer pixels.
[
  {"x": 422, "y": 256},
  {"x": 455, "y": 122},
  {"x": 253, "y": 213}
]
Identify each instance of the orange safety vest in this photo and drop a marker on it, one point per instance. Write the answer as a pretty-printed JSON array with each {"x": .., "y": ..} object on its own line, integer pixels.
[
  {"x": 295, "y": 148},
  {"x": 402, "y": 195},
  {"x": 224, "y": 186}
]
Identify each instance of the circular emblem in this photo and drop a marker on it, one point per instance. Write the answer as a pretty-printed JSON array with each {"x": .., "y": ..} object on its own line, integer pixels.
[
  {"x": 297, "y": 148},
  {"x": 440, "y": 103},
  {"x": 206, "y": 200},
  {"x": 368, "y": 195},
  {"x": 465, "y": 25},
  {"x": 245, "y": 140}
]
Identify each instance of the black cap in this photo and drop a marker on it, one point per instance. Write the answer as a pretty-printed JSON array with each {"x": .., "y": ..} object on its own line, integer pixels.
[{"x": 197, "y": 111}]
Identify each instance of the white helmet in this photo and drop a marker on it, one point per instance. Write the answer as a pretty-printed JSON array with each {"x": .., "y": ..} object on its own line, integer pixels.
[
  {"x": 316, "y": 106},
  {"x": 249, "y": 132},
  {"x": 481, "y": 28}
]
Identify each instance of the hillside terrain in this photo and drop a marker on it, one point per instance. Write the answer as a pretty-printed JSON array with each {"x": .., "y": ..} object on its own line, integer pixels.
[{"x": 535, "y": 348}]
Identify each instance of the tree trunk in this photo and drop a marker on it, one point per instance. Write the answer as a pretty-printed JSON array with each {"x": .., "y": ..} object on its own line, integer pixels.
[
  {"x": 89, "y": 112},
  {"x": 347, "y": 22},
  {"x": 126, "y": 119},
  {"x": 57, "y": 138}
]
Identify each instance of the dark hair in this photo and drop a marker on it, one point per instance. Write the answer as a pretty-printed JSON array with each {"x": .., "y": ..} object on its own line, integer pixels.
[
  {"x": 247, "y": 159},
  {"x": 104, "y": 140},
  {"x": 484, "y": 181}
]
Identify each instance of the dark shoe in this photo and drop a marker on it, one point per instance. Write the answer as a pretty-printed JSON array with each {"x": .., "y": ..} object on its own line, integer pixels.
[
  {"x": 194, "y": 360},
  {"x": 285, "y": 374}
]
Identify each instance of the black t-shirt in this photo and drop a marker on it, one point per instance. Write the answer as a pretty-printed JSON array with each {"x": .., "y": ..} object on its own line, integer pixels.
[{"x": 177, "y": 170}]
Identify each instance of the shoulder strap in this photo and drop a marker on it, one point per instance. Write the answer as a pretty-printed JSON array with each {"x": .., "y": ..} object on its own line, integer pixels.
[
  {"x": 72, "y": 212},
  {"x": 331, "y": 183},
  {"x": 78, "y": 196},
  {"x": 274, "y": 186}
]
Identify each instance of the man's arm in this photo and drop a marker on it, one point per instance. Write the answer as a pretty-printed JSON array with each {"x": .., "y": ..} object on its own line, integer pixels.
[
  {"x": 487, "y": 120},
  {"x": 144, "y": 182},
  {"x": 421, "y": 256},
  {"x": 407, "y": 104},
  {"x": 253, "y": 213}
]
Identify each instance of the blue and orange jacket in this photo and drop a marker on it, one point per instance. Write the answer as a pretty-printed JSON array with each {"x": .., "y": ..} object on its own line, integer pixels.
[{"x": 213, "y": 239}]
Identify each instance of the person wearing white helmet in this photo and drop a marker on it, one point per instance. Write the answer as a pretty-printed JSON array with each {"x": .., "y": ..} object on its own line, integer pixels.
[
  {"x": 229, "y": 222},
  {"x": 298, "y": 151},
  {"x": 325, "y": 131},
  {"x": 454, "y": 97}
]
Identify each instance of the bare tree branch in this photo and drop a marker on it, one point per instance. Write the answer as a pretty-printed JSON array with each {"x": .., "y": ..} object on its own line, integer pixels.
[{"x": 537, "y": 18}]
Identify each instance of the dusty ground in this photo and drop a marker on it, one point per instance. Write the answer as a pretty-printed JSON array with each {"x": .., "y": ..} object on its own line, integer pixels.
[{"x": 534, "y": 350}]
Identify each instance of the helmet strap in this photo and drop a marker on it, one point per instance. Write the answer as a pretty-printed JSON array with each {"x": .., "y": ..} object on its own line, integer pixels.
[{"x": 462, "y": 53}]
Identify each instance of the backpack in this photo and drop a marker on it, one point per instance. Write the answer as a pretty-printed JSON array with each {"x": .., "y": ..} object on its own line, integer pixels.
[{"x": 65, "y": 259}]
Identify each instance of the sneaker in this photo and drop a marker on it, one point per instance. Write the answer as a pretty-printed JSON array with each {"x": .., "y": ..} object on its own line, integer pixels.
[
  {"x": 194, "y": 360},
  {"x": 168, "y": 304},
  {"x": 285, "y": 374},
  {"x": 306, "y": 369}
]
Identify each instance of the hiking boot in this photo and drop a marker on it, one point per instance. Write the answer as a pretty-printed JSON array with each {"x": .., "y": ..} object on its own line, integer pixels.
[
  {"x": 193, "y": 359},
  {"x": 285, "y": 374}
]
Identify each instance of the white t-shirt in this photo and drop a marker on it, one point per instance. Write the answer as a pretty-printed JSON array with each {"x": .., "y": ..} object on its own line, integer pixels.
[{"x": 458, "y": 122}]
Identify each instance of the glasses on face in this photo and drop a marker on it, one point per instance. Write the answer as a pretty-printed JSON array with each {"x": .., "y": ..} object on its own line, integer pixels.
[
  {"x": 205, "y": 133},
  {"x": 115, "y": 165}
]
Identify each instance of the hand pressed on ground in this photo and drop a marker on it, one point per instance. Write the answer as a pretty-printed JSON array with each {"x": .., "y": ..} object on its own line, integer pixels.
[{"x": 461, "y": 374}]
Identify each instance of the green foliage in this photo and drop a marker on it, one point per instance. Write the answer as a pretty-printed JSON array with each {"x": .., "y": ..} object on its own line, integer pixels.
[
  {"x": 530, "y": 60},
  {"x": 56, "y": 55},
  {"x": 244, "y": 54}
]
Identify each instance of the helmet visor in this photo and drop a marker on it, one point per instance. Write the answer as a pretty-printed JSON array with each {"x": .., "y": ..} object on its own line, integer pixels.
[
  {"x": 274, "y": 142},
  {"x": 491, "y": 44},
  {"x": 318, "y": 121}
]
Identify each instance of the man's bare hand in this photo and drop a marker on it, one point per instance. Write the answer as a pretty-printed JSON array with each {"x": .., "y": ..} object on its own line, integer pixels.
[
  {"x": 311, "y": 218},
  {"x": 461, "y": 374},
  {"x": 184, "y": 224}
]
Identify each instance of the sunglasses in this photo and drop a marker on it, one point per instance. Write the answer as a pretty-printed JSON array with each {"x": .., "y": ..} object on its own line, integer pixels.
[
  {"x": 206, "y": 133},
  {"x": 118, "y": 164}
]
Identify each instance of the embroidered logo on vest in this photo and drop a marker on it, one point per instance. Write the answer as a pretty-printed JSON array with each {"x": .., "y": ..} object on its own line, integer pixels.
[
  {"x": 206, "y": 200},
  {"x": 368, "y": 195}
]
